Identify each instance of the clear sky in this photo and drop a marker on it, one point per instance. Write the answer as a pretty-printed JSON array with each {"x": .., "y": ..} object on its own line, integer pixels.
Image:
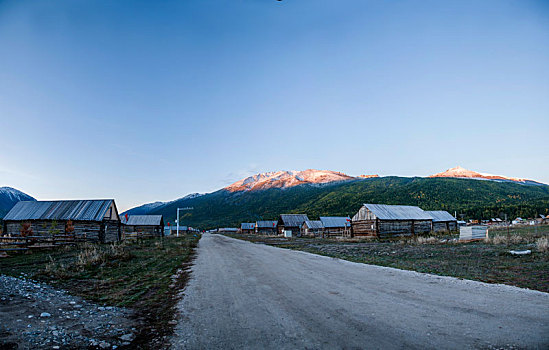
[{"x": 152, "y": 100}]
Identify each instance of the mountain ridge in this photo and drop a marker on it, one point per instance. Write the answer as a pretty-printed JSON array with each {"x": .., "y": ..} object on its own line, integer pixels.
[
  {"x": 459, "y": 172},
  {"x": 9, "y": 196},
  {"x": 287, "y": 179},
  {"x": 473, "y": 198}
]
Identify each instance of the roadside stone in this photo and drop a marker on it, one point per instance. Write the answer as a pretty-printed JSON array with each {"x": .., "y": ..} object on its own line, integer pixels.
[
  {"x": 127, "y": 337},
  {"x": 45, "y": 314}
]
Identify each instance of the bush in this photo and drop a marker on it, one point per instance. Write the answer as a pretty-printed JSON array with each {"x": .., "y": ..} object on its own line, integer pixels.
[
  {"x": 542, "y": 244},
  {"x": 93, "y": 254}
]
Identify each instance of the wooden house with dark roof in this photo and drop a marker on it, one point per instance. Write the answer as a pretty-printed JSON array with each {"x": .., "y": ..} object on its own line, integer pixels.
[
  {"x": 247, "y": 228},
  {"x": 383, "y": 220},
  {"x": 336, "y": 226},
  {"x": 266, "y": 227},
  {"x": 291, "y": 222},
  {"x": 93, "y": 220},
  {"x": 443, "y": 221},
  {"x": 147, "y": 225},
  {"x": 312, "y": 228}
]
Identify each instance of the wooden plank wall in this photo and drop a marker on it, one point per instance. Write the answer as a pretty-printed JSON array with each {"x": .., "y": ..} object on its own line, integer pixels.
[{"x": 92, "y": 230}]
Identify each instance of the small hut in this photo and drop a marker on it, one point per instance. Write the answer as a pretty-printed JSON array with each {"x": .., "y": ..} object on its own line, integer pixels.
[
  {"x": 93, "y": 220},
  {"x": 384, "y": 220},
  {"x": 227, "y": 230},
  {"x": 266, "y": 227},
  {"x": 148, "y": 225},
  {"x": 247, "y": 228},
  {"x": 291, "y": 222},
  {"x": 336, "y": 225},
  {"x": 312, "y": 228},
  {"x": 443, "y": 221}
]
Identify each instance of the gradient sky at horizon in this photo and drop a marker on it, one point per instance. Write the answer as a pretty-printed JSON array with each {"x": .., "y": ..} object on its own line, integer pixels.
[{"x": 151, "y": 100}]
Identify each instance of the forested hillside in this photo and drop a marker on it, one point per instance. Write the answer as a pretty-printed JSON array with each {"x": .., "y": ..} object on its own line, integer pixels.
[{"x": 474, "y": 198}]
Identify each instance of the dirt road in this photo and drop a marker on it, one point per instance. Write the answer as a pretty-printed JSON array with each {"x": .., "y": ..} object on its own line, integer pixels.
[{"x": 245, "y": 295}]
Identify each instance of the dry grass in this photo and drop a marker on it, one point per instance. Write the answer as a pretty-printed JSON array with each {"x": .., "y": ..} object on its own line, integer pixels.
[
  {"x": 355, "y": 239},
  {"x": 510, "y": 239},
  {"x": 93, "y": 255},
  {"x": 542, "y": 244}
]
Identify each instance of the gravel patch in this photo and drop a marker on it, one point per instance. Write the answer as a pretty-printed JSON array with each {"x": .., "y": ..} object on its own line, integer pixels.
[{"x": 36, "y": 316}]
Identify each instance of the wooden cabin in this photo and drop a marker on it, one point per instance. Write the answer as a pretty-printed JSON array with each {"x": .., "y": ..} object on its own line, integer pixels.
[
  {"x": 336, "y": 226},
  {"x": 381, "y": 220},
  {"x": 247, "y": 228},
  {"x": 443, "y": 221},
  {"x": 147, "y": 225},
  {"x": 93, "y": 220},
  {"x": 291, "y": 222},
  {"x": 266, "y": 227},
  {"x": 228, "y": 230},
  {"x": 312, "y": 228}
]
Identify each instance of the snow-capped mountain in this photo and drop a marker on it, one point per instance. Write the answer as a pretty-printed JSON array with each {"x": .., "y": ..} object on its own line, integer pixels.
[
  {"x": 9, "y": 197},
  {"x": 286, "y": 179},
  {"x": 459, "y": 172}
]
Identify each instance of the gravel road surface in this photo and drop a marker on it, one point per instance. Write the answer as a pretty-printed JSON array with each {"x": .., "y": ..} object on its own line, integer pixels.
[{"x": 246, "y": 295}]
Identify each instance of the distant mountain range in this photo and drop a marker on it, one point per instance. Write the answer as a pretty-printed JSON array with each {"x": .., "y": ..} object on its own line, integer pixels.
[
  {"x": 287, "y": 179},
  {"x": 9, "y": 197},
  {"x": 459, "y": 172},
  {"x": 292, "y": 178},
  {"x": 324, "y": 192}
]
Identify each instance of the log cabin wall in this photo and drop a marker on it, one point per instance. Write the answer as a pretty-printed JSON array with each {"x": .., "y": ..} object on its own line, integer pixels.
[
  {"x": 395, "y": 228},
  {"x": 422, "y": 226},
  {"x": 90, "y": 229},
  {"x": 146, "y": 229},
  {"x": 112, "y": 231},
  {"x": 364, "y": 228},
  {"x": 266, "y": 231},
  {"x": 387, "y": 228},
  {"x": 445, "y": 226}
]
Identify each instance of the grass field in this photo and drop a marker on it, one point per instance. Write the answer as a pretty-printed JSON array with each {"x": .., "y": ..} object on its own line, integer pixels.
[
  {"x": 144, "y": 276},
  {"x": 482, "y": 261}
]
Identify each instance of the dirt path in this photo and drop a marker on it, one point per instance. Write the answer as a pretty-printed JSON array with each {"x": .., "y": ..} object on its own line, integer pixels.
[
  {"x": 36, "y": 316},
  {"x": 245, "y": 295}
]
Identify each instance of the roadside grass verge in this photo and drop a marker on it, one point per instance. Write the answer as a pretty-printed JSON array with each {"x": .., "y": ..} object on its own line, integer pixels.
[
  {"x": 145, "y": 276},
  {"x": 480, "y": 261}
]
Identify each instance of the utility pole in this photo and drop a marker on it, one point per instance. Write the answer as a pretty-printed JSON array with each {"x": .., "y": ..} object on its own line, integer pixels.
[{"x": 178, "y": 209}]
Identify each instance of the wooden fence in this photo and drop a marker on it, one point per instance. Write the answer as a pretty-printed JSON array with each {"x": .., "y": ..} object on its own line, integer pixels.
[
  {"x": 22, "y": 244},
  {"x": 139, "y": 235}
]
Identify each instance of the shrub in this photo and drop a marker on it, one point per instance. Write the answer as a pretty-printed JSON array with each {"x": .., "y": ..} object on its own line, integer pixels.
[
  {"x": 542, "y": 244},
  {"x": 92, "y": 255},
  {"x": 498, "y": 239}
]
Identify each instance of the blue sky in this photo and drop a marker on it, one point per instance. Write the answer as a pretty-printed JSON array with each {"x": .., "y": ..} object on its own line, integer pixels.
[{"x": 151, "y": 100}]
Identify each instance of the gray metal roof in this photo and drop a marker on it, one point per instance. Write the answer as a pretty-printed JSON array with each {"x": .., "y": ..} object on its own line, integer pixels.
[
  {"x": 335, "y": 221},
  {"x": 247, "y": 226},
  {"x": 266, "y": 224},
  {"x": 293, "y": 220},
  {"x": 82, "y": 210},
  {"x": 397, "y": 212},
  {"x": 314, "y": 224},
  {"x": 441, "y": 216},
  {"x": 142, "y": 220}
]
